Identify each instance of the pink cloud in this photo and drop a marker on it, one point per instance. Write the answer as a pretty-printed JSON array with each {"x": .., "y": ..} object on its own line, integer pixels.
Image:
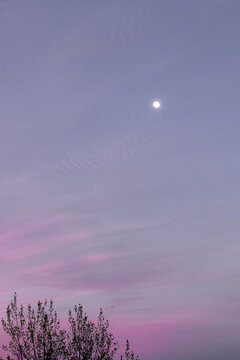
[
  {"x": 18, "y": 232},
  {"x": 25, "y": 241}
]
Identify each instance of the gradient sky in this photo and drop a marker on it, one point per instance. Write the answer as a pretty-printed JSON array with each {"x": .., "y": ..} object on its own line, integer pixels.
[{"x": 103, "y": 199}]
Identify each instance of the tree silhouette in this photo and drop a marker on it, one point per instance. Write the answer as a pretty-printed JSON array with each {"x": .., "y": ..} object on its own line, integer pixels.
[
  {"x": 35, "y": 336},
  {"x": 38, "y": 336}
]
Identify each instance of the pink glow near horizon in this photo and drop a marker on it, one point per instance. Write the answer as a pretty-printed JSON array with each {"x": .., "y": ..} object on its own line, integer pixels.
[{"x": 147, "y": 330}]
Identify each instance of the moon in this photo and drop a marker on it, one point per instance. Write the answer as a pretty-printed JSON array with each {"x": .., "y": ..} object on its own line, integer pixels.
[{"x": 156, "y": 104}]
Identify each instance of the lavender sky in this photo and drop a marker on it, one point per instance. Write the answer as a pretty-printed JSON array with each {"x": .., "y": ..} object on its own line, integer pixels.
[{"x": 103, "y": 199}]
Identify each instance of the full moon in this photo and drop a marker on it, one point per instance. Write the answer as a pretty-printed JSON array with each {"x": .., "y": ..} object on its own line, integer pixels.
[{"x": 156, "y": 104}]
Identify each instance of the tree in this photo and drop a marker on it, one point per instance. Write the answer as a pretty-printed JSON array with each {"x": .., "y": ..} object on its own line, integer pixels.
[
  {"x": 128, "y": 355},
  {"x": 38, "y": 336},
  {"x": 87, "y": 341}
]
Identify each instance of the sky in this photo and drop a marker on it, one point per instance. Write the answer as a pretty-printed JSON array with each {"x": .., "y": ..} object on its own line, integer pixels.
[{"x": 108, "y": 202}]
